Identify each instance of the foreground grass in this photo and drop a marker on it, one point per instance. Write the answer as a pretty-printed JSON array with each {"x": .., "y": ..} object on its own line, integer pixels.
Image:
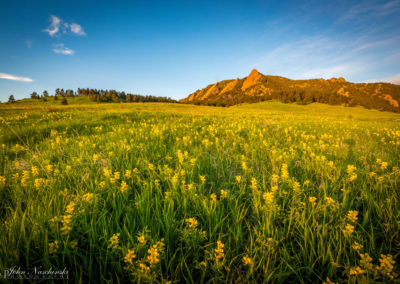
[{"x": 166, "y": 192}]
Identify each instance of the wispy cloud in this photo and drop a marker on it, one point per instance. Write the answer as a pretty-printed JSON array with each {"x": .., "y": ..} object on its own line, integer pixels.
[
  {"x": 28, "y": 43},
  {"x": 77, "y": 29},
  {"x": 358, "y": 48},
  {"x": 62, "y": 49},
  {"x": 328, "y": 72},
  {"x": 394, "y": 79},
  {"x": 371, "y": 9},
  {"x": 57, "y": 26},
  {"x": 15, "y": 78},
  {"x": 311, "y": 57},
  {"x": 376, "y": 43},
  {"x": 54, "y": 26}
]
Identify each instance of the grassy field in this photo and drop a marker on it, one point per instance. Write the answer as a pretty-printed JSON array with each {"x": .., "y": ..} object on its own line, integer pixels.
[{"x": 172, "y": 193}]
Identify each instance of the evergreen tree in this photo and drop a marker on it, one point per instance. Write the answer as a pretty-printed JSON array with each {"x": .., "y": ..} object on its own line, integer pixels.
[
  {"x": 34, "y": 95},
  {"x": 11, "y": 99}
]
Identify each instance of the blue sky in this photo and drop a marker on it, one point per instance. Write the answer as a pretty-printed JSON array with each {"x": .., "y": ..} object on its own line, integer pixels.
[{"x": 172, "y": 48}]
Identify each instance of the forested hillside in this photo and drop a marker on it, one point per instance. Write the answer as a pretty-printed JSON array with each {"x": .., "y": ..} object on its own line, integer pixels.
[{"x": 336, "y": 91}]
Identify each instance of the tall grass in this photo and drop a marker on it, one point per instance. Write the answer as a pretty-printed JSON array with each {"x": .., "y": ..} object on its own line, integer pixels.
[{"x": 158, "y": 193}]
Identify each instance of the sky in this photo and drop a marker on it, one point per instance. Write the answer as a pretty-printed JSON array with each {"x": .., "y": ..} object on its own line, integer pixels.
[{"x": 173, "y": 48}]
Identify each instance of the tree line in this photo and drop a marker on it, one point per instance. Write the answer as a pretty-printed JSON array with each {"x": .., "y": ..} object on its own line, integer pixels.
[{"x": 98, "y": 95}]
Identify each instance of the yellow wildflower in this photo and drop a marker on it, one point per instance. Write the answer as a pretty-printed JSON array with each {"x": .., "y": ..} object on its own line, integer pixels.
[
  {"x": 348, "y": 230},
  {"x": 366, "y": 261},
  {"x": 356, "y": 271},
  {"x": 296, "y": 186},
  {"x": 153, "y": 255},
  {"x": 66, "y": 224},
  {"x": 114, "y": 242},
  {"x": 312, "y": 199},
  {"x": 274, "y": 179},
  {"x": 24, "y": 179},
  {"x": 67, "y": 169},
  {"x": 253, "y": 184},
  {"x": 191, "y": 222},
  {"x": 247, "y": 261},
  {"x": 213, "y": 197},
  {"x": 284, "y": 172},
  {"x": 329, "y": 200},
  {"x": 238, "y": 179},
  {"x": 141, "y": 239},
  {"x": 352, "y": 215},
  {"x": 219, "y": 251},
  {"x": 102, "y": 184},
  {"x": 386, "y": 266},
  {"x": 70, "y": 208},
  {"x": 144, "y": 268},
  {"x": 124, "y": 187},
  {"x": 49, "y": 169},
  {"x": 223, "y": 194},
  {"x": 353, "y": 177},
  {"x": 356, "y": 246},
  {"x": 350, "y": 169},
  {"x": 268, "y": 198},
  {"x": 106, "y": 172},
  {"x": 88, "y": 197},
  {"x": 39, "y": 182},
  {"x": 35, "y": 171},
  {"x": 53, "y": 247},
  {"x": 130, "y": 256}
]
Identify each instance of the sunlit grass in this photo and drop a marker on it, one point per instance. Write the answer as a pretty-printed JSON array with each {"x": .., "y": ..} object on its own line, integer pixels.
[{"x": 266, "y": 192}]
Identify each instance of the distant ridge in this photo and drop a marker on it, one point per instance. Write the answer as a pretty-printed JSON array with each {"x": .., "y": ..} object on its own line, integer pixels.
[{"x": 257, "y": 87}]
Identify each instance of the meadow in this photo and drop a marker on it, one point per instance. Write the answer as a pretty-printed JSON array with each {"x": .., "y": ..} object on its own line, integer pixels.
[{"x": 173, "y": 193}]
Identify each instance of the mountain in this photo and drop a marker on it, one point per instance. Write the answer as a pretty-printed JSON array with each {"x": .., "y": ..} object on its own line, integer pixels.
[{"x": 257, "y": 87}]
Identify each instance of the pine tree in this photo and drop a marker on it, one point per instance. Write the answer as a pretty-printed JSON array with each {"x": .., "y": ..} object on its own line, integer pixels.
[
  {"x": 34, "y": 95},
  {"x": 11, "y": 99}
]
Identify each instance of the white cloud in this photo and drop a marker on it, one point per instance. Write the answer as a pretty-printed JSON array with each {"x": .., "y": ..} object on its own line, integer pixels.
[
  {"x": 15, "y": 78},
  {"x": 394, "y": 79},
  {"x": 61, "y": 49},
  {"x": 54, "y": 26},
  {"x": 77, "y": 29},
  {"x": 57, "y": 26}
]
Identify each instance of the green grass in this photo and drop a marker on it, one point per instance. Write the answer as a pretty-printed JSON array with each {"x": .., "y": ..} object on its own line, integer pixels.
[{"x": 180, "y": 158}]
